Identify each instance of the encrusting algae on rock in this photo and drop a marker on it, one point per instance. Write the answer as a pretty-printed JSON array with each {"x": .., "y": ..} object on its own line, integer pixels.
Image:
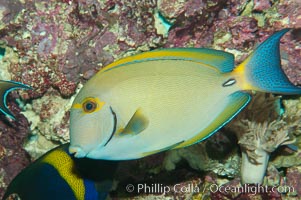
[{"x": 57, "y": 45}]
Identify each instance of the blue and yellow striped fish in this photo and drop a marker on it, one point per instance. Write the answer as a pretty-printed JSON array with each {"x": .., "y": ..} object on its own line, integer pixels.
[
  {"x": 57, "y": 175},
  {"x": 168, "y": 99}
]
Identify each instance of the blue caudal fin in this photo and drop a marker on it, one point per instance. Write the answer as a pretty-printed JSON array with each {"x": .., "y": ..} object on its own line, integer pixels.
[{"x": 262, "y": 69}]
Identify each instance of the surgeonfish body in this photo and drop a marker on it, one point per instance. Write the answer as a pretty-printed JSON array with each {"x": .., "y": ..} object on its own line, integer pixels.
[
  {"x": 57, "y": 175},
  {"x": 168, "y": 99},
  {"x": 5, "y": 88}
]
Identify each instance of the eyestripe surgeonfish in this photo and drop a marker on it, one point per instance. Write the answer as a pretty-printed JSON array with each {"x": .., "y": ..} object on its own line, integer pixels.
[
  {"x": 5, "y": 88},
  {"x": 168, "y": 99},
  {"x": 57, "y": 175}
]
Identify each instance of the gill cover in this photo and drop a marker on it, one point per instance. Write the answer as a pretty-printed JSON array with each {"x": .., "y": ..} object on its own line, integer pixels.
[{"x": 89, "y": 118}]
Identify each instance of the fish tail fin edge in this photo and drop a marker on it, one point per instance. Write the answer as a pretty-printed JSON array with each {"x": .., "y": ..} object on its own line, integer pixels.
[{"x": 262, "y": 71}]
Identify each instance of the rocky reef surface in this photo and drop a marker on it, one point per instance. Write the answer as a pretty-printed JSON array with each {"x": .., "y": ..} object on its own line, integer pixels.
[{"x": 56, "y": 46}]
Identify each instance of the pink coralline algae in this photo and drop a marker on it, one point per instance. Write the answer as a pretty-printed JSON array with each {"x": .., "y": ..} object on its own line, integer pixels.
[
  {"x": 261, "y": 5},
  {"x": 240, "y": 23},
  {"x": 242, "y": 30},
  {"x": 193, "y": 19},
  {"x": 290, "y": 16},
  {"x": 13, "y": 158},
  {"x": 58, "y": 44},
  {"x": 61, "y": 43},
  {"x": 9, "y": 10},
  {"x": 293, "y": 180}
]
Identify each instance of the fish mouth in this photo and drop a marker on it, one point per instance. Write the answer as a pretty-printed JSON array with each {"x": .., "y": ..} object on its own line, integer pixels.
[
  {"x": 78, "y": 152},
  {"x": 114, "y": 128}
]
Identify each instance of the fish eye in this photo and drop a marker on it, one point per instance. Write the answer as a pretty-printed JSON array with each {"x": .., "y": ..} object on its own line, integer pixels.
[{"x": 89, "y": 105}]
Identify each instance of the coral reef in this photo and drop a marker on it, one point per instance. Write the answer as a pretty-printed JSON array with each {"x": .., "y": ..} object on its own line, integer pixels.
[
  {"x": 192, "y": 21},
  {"x": 257, "y": 143},
  {"x": 13, "y": 158},
  {"x": 261, "y": 128},
  {"x": 49, "y": 122},
  {"x": 69, "y": 41},
  {"x": 293, "y": 179},
  {"x": 199, "y": 158},
  {"x": 55, "y": 46}
]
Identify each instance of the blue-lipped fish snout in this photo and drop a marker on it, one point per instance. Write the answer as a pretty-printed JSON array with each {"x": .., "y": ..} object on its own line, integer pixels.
[
  {"x": 77, "y": 151},
  {"x": 89, "y": 105}
]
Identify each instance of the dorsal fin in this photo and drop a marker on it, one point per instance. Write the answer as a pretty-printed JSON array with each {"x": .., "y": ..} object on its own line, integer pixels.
[{"x": 221, "y": 60}]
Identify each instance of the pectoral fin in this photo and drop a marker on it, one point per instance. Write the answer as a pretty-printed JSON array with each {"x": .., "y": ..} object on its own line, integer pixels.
[{"x": 137, "y": 123}]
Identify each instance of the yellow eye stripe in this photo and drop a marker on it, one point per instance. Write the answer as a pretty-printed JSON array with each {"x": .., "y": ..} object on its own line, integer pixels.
[{"x": 89, "y": 105}]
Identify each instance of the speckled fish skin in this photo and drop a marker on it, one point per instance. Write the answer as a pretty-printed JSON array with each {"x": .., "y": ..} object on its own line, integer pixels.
[
  {"x": 57, "y": 175},
  {"x": 5, "y": 88},
  {"x": 169, "y": 98}
]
